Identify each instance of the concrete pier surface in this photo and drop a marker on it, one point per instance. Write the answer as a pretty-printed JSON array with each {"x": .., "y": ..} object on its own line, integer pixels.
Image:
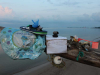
[{"x": 71, "y": 68}]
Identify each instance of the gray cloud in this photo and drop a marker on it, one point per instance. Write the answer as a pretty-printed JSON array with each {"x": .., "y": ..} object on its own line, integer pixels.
[
  {"x": 96, "y": 16},
  {"x": 50, "y": 1},
  {"x": 12, "y": 21},
  {"x": 64, "y": 2},
  {"x": 60, "y": 3},
  {"x": 70, "y": 3},
  {"x": 77, "y": 4},
  {"x": 84, "y": 18},
  {"x": 49, "y": 9},
  {"x": 90, "y": 2},
  {"x": 5, "y": 3},
  {"x": 88, "y": 18}
]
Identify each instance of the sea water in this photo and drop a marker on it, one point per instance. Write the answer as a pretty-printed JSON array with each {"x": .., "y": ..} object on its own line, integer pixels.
[
  {"x": 84, "y": 33},
  {"x": 9, "y": 66}
]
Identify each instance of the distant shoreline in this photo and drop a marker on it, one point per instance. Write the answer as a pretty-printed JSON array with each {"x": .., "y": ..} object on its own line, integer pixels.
[{"x": 97, "y": 27}]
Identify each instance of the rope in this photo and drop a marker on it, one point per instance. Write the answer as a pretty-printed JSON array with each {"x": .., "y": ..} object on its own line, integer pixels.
[
  {"x": 79, "y": 39},
  {"x": 81, "y": 54}
]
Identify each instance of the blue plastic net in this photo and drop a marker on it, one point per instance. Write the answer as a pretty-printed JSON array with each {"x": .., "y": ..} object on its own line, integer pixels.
[{"x": 20, "y": 44}]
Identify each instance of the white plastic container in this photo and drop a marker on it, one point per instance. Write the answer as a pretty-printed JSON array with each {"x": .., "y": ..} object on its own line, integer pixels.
[{"x": 56, "y": 45}]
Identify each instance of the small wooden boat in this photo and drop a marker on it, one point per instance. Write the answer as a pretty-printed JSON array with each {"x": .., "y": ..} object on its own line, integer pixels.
[{"x": 90, "y": 57}]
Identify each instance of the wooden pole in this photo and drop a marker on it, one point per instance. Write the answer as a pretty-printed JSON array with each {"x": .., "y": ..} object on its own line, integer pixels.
[{"x": 1, "y": 28}]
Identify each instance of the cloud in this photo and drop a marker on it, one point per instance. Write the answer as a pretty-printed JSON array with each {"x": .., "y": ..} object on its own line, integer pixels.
[
  {"x": 90, "y": 2},
  {"x": 4, "y": 12},
  {"x": 37, "y": 16},
  {"x": 50, "y": 1},
  {"x": 75, "y": 3},
  {"x": 87, "y": 18},
  {"x": 62, "y": 2},
  {"x": 96, "y": 16},
  {"x": 84, "y": 18},
  {"x": 71, "y": 3},
  {"x": 49, "y": 9}
]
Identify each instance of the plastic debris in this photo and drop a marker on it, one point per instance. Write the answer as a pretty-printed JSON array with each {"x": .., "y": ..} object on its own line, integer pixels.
[
  {"x": 56, "y": 61},
  {"x": 36, "y": 24},
  {"x": 75, "y": 37},
  {"x": 81, "y": 54},
  {"x": 35, "y": 28},
  {"x": 20, "y": 44},
  {"x": 95, "y": 45}
]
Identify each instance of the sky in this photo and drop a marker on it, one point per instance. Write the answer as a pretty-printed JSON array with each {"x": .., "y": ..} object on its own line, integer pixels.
[{"x": 58, "y": 13}]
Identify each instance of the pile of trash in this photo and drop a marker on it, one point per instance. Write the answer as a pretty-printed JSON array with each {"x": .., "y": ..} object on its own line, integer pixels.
[{"x": 19, "y": 44}]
